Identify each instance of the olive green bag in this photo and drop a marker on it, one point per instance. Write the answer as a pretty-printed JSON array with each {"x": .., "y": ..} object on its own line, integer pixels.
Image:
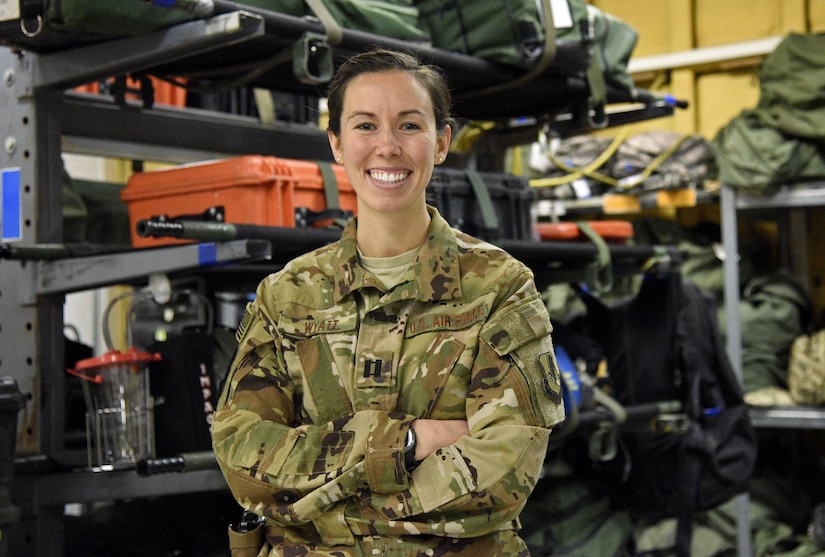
[
  {"x": 509, "y": 32},
  {"x": 780, "y": 141},
  {"x": 791, "y": 82}
]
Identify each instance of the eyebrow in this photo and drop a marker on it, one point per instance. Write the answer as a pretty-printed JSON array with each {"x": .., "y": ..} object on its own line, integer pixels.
[{"x": 365, "y": 113}]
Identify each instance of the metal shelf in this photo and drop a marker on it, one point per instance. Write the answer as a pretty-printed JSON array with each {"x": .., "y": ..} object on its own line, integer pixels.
[
  {"x": 84, "y": 486},
  {"x": 625, "y": 203},
  {"x": 797, "y": 196},
  {"x": 795, "y": 417},
  {"x": 96, "y": 125}
]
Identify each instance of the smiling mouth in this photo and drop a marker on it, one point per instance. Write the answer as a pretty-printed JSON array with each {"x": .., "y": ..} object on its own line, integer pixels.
[{"x": 389, "y": 177}]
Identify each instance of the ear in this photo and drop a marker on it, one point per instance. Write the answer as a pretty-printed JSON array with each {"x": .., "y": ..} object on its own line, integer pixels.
[
  {"x": 443, "y": 144},
  {"x": 335, "y": 145}
]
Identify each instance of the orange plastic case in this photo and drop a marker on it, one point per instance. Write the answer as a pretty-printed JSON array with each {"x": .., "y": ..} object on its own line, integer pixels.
[
  {"x": 252, "y": 189},
  {"x": 616, "y": 231}
]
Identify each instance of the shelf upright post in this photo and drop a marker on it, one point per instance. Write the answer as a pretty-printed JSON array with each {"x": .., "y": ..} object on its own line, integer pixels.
[
  {"x": 31, "y": 331},
  {"x": 733, "y": 332}
]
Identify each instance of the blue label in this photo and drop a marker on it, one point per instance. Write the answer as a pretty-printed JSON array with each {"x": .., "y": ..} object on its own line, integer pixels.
[
  {"x": 570, "y": 382},
  {"x": 207, "y": 254},
  {"x": 12, "y": 212}
]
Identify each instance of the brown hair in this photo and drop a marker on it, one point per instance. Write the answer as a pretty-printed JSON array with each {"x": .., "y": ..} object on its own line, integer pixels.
[{"x": 431, "y": 77}]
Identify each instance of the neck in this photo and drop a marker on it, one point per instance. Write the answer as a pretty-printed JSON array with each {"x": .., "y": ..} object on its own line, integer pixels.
[{"x": 381, "y": 235}]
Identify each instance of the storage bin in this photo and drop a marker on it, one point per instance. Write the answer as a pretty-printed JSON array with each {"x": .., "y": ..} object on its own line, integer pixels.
[
  {"x": 460, "y": 196},
  {"x": 256, "y": 190},
  {"x": 613, "y": 231}
]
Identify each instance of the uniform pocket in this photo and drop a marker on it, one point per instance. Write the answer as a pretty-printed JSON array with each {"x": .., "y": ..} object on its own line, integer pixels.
[{"x": 325, "y": 398}]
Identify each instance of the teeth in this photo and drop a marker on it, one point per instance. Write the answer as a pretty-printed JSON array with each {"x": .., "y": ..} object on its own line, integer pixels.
[{"x": 388, "y": 177}]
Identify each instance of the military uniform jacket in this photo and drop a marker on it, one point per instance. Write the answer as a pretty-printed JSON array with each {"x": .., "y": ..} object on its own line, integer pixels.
[{"x": 331, "y": 369}]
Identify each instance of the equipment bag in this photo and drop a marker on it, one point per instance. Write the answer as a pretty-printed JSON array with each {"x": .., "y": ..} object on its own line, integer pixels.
[
  {"x": 185, "y": 391},
  {"x": 806, "y": 369},
  {"x": 613, "y": 40},
  {"x": 754, "y": 156},
  {"x": 791, "y": 82},
  {"x": 780, "y": 140},
  {"x": 505, "y": 31},
  {"x": 570, "y": 516},
  {"x": 664, "y": 345}
]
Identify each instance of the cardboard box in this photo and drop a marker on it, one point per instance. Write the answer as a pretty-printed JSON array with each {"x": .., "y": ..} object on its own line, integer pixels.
[{"x": 257, "y": 190}]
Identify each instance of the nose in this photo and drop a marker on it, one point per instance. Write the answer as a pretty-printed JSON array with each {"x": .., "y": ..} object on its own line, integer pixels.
[{"x": 388, "y": 143}]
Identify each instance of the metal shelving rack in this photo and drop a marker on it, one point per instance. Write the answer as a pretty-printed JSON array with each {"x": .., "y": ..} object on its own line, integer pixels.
[
  {"x": 731, "y": 204},
  {"x": 41, "y": 121},
  {"x": 42, "y": 118}
]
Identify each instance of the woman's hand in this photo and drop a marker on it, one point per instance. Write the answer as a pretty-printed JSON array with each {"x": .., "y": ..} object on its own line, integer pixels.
[{"x": 431, "y": 435}]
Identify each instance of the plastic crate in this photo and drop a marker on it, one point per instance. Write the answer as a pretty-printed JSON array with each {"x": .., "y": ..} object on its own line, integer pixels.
[{"x": 452, "y": 192}]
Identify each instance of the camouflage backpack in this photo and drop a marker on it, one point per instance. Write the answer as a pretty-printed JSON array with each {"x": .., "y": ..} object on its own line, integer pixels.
[{"x": 806, "y": 369}]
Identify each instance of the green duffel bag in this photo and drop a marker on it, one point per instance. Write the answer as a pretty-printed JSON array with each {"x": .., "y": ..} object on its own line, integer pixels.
[
  {"x": 613, "y": 40},
  {"x": 568, "y": 515},
  {"x": 754, "y": 156},
  {"x": 505, "y": 31},
  {"x": 791, "y": 81}
]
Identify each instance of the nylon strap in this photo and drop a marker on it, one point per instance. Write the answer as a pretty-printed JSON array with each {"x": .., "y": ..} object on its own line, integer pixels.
[
  {"x": 331, "y": 193},
  {"x": 485, "y": 202},
  {"x": 600, "y": 272},
  {"x": 596, "y": 115},
  {"x": 333, "y": 30},
  {"x": 330, "y": 185}
]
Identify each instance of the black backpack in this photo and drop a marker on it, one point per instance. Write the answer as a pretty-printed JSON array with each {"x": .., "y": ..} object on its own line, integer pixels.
[{"x": 664, "y": 345}]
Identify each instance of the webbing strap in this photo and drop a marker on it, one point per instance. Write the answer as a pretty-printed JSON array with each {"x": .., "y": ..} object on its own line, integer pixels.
[
  {"x": 333, "y": 30},
  {"x": 330, "y": 185},
  {"x": 596, "y": 114},
  {"x": 599, "y": 274},
  {"x": 331, "y": 194},
  {"x": 485, "y": 202}
]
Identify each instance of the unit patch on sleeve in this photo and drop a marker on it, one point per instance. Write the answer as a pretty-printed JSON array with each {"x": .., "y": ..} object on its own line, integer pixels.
[{"x": 551, "y": 379}]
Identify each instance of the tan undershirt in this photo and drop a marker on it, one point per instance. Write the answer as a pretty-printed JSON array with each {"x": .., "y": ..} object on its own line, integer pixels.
[{"x": 389, "y": 270}]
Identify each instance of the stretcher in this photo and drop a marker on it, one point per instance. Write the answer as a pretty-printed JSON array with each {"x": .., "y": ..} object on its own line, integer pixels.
[{"x": 297, "y": 54}]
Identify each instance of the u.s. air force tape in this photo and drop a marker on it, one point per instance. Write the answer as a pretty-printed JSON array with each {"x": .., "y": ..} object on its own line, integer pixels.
[{"x": 244, "y": 325}]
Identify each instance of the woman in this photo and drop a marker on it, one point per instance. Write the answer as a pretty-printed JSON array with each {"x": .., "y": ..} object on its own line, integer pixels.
[{"x": 393, "y": 392}]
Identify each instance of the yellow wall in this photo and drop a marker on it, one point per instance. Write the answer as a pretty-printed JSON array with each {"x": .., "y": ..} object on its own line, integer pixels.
[{"x": 715, "y": 94}]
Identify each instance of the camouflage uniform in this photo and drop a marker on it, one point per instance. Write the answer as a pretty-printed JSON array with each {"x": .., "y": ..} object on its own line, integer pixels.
[{"x": 330, "y": 372}]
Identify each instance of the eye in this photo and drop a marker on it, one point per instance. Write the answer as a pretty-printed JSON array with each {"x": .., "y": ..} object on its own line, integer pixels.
[
  {"x": 365, "y": 126},
  {"x": 410, "y": 126}
]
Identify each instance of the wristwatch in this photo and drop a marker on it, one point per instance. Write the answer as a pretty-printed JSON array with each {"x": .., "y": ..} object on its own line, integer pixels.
[{"x": 410, "y": 463}]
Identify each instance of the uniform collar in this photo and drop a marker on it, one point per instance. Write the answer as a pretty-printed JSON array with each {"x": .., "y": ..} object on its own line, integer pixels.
[{"x": 435, "y": 269}]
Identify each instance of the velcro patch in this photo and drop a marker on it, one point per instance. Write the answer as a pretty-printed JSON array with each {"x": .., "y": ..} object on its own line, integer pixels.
[{"x": 245, "y": 321}]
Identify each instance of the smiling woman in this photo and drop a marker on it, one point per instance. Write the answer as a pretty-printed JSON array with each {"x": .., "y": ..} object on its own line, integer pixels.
[
  {"x": 388, "y": 140},
  {"x": 392, "y": 392},
  {"x": 387, "y": 128}
]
